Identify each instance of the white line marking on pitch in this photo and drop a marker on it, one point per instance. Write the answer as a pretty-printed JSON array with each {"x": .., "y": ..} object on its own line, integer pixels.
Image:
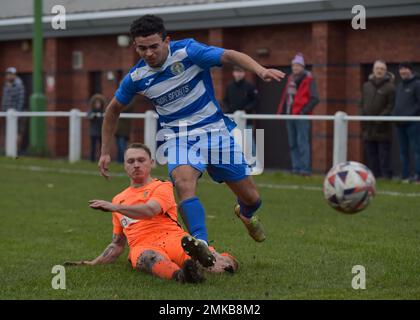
[{"x": 261, "y": 185}]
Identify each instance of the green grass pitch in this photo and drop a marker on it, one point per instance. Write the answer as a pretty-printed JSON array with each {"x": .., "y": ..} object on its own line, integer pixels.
[{"x": 309, "y": 252}]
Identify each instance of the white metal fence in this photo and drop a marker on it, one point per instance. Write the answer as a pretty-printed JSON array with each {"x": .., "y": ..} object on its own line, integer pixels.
[
  {"x": 75, "y": 116},
  {"x": 75, "y": 129}
]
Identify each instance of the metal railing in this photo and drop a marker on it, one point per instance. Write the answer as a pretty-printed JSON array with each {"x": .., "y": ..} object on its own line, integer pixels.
[
  {"x": 75, "y": 129},
  {"x": 341, "y": 120},
  {"x": 75, "y": 116}
]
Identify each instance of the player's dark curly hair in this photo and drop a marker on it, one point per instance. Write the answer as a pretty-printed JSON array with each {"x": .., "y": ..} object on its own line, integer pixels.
[{"x": 147, "y": 26}]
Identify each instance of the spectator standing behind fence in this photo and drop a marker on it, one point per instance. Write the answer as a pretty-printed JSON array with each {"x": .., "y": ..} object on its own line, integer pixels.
[
  {"x": 240, "y": 94},
  {"x": 95, "y": 115},
  {"x": 14, "y": 98},
  {"x": 407, "y": 103},
  {"x": 122, "y": 134},
  {"x": 299, "y": 97},
  {"x": 13, "y": 91},
  {"x": 378, "y": 98}
]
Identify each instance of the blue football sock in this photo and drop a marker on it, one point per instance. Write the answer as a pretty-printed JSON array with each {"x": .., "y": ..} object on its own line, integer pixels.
[
  {"x": 248, "y": 211},
  {"x": 193, "y": 214}
]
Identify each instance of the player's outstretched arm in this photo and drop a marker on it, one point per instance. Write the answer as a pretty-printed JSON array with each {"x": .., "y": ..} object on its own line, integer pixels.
[
  {"x": 110, "y": 254},
  {"x": 246, "y": 62},
  {"x": 138, "y": 211},
  {"x": 112, "y": 113}
]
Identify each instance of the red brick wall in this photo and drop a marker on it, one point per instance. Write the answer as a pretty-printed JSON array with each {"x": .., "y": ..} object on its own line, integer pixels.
[
  {"x": 337, "y": 53},
  {"x": 283, "y": 42},
  {"x": 11, "y": 54},
  {"x": 334, "y": 49}
]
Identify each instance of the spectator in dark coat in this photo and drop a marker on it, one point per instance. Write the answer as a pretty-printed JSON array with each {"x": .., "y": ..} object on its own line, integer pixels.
[
  {"x": 95, "y": 115},
  {"x": 14, "y": 98},
  {"x": 378, "y": 98},
  {"x": 13, "y": 91},
  {"x": 407, "y": 103},
  {"x": 240, "y": 94}
]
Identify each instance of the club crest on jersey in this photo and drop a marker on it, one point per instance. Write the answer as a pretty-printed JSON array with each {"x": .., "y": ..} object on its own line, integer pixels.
[{"x": 177, "y": 68}]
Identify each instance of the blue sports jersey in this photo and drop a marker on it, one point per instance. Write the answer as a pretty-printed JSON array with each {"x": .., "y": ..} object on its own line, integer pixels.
[{"x": 181, "y": 89}]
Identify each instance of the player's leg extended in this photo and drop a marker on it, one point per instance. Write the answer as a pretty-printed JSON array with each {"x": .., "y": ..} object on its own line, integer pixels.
[
  {"x": 192, "y": 211},
  {"x": 223, "y": 262},
  {"x": 249, "y": 202},
  {"x": 236, "y": 175},
  {"x": 185, "y": 177},
  {"x": 181, "y": 246},
  {"x": 158, "y": 264}
]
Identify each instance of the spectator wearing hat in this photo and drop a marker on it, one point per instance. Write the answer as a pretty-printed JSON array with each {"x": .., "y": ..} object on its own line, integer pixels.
[
  {"x": 407, "y": 103},
  {"x": 299, "y": 97},
  {"x": 13, "y": 91},
  {"x": 14, "y": 98}
]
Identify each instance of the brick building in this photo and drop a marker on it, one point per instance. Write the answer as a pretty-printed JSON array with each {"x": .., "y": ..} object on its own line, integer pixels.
[{"x": 87, "y": 58}]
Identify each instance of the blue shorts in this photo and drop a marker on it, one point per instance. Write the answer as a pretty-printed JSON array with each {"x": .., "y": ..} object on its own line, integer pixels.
[{"x": 215, "y": 152}]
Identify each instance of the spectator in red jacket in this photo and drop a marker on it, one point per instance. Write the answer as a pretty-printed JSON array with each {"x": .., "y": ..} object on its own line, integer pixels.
[{"x": 299, "y": 97}]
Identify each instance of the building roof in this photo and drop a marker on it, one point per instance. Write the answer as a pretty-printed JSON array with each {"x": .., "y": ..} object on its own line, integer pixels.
[
  {"x": 23, "y": 8},
  {"x": 96, "y": 17}
]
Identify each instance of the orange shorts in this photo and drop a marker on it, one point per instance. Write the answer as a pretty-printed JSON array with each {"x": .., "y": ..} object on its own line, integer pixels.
[{"x": 168, "y": 246}]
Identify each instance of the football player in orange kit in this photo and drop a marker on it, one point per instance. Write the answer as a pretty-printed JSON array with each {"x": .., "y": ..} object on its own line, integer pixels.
[{"x": 145, "y": 216}]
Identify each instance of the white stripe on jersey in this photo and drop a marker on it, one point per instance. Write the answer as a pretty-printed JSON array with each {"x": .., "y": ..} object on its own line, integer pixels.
[
  {"x": 179, "y": 55},
  {"x": 215, "y": 126},
  {"x": 126, "y": 221},
  {"x": 141, "y": 73},
  {"x": 171, "y": 83},
  {"x": 177, "y": 105},
  {"x": 200, "y": 115}
]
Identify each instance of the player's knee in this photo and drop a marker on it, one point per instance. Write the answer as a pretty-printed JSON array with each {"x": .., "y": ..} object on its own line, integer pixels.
[
  {"x": 147, "y": 260},
  {"x": 185, "y": 187}
]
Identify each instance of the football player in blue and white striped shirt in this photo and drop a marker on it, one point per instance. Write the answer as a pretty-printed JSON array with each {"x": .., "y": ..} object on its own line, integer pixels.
[{"x": 175, "y": 76}]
